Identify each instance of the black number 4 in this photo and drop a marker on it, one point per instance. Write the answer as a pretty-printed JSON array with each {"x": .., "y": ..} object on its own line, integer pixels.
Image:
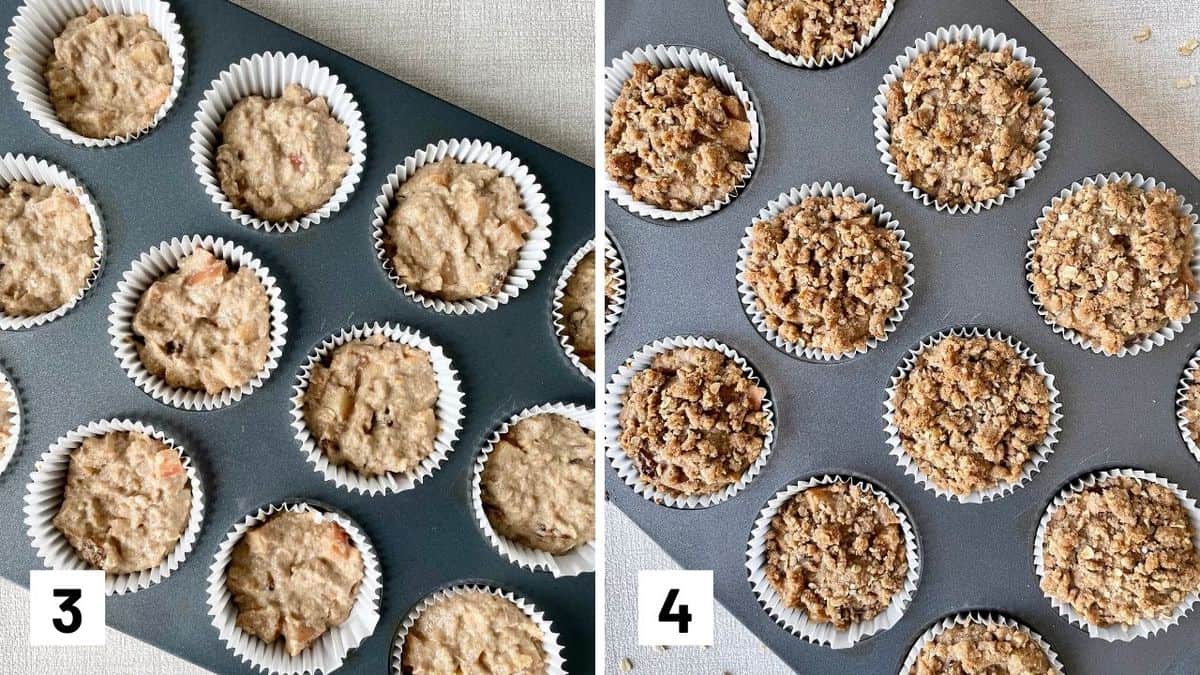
[
  {"x": 683, "y": 617},
  {"x": 72, "y": 596}
]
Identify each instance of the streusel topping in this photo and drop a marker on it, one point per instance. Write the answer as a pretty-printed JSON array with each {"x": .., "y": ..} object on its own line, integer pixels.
[
  {"x": 982, "y": 648},
  {"x": 812, "y": 29}
]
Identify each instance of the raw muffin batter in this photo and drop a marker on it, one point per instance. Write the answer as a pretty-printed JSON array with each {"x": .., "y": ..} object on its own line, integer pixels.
[
  {"x": 1121, "y": 551},
  {"x": 47, "y": 248},
  {"x": 537, "y": 484},
  {"x": 294, "y": 576},
  {"x": 982, "y": 649},
  {"x": 676, "y": 141},
  {"x": 692, "y": 421},
  {"x": 372, "y": 408},
  {"x": 836, "y": 552},
  {"x": 126, "y": 502},
  {"x": 963, "y": 125},
  {"x": 108, "y": 75},
  {"x": 578, "y": 310},
  {"x": 970, "y": 413},
  {"x": 203, "y": 326},
  {"x": 825, "y": 274},
  {"x": 1113, "y": 263},
  {"x": 812, "y": 29},
  {"x": 282, "y": 158},
  {"x": 456, "y": 230},
  {"x": 473, "y": 633}
]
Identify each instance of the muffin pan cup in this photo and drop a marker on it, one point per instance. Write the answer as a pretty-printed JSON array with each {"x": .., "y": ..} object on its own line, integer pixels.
[
  {"x": 267, "y": 75},
  {"x": 794, "y": 619},
  {"x": 45, "y": 494},
  {"x": 696, "y": 61},
  {"x": 1116, "y": 632},
  {"x": 556, "y": 315},
  {"x": 40, "y": 172},
  {"x": 330, "y": 650},
  {"x": 579, "y": 560},
  {"x": 1155, "y": 339},
  {"x": 749, "y": 297},
  {"x": 615, "y": 400},
  {"x": 991, "y": 41},
  {"x": 30, "y": 43},
  {"x": 614, "y": 266},
  {"x": 448, "y": 410},
  {"x": 550, "y": 642},
  {"x": 14, "y": 420},
  {"x": 737, "y": 14},
  {"x": 157, "y": 263},
  {"x": 984, "y": 618}
]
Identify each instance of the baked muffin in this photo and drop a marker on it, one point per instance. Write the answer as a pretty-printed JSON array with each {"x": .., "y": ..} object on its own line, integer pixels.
[
  {"x": 975, "y": 647},
  {"x": 1113, "y": 263},
  {"x": 693, "y": 422},
  {"x": 295, "y": 577},
  {"x": 579, "y": 310},
  {"x": 373, "y": 406},
  {"x": 970, "y": 413},
  {"x": 47, "y": 248},
  {"x": 836, "y": 552},
  {"x": 676, "y": 140},
  {"x": 825, "y": 274},
  {"x": 536, "y": 485},
  {"x": 813, "y": 29},
  {"x": 963, "y": 125},
  {"x": 282, "y": 158},
  {"x": 1121, "y": 551},
  {"x": 108, "y": 75},
  {"x": 126, "y": 502},
  {"x": 456, "y": 230},
  {"x": 473, "y": 633}
]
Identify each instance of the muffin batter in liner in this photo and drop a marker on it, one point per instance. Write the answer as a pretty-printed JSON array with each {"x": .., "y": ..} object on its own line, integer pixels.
[
  {"x": 329, "y": 650},
  {"x": 9, "y": 392},
  {"x": 38, "y": 171},
  {"x": 45, "y": 495},
  {"x": 1190, "y": 375},
  {"x": 1162, "y": 335},
  {"x": 991, "y": 41},
  {"x": 557, "y": 318},
  {"x": 31, "y": 42},
  {"x": 160, "y": 261},
  {"x": 1116, "y": 632},
  {"x": 795, "y": 620},
  {"x": 614, "y": 267},
  {"x": 794, "y": 197},
  {"x": 579, "y": 560},
  {"x": 449, "y": 411},
  {"x": 614, "y": 401},
  {"x": 267, "y": 74},
  {"x": 530, "y": 256},
  {"x": 737, "y": 14},
  {"x": 985, "y": 618}
]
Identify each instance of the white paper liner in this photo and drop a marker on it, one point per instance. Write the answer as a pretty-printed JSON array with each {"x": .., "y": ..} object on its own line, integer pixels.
[
  {"x": 986, "y": 619},
  {"x": 615, "y": 400},
  {"x": 1116, "y": 633},
  {"x": 550, "y": 645},
  {"x": 1039, "y": 454},
  {"x": 794, "y": 619},
  {"x": 781, "y": 203},
  {"x": 160, "y": 261},
  {"x": 737, "y": 12},
  {"x": 14, "y": 420},
  {"x": 613, "y": 266},
  {"x": 449, "y": 411},
  {"x": 529, "y": 257},
  {"x": 577, "y": 561},
  {"x": 991, "y": 41},
  {"x": 330, "y": 650},
  {"x": 556, "y": 316},
  {"x": 703, "y": 63},
  {"x": 45, "y": 496},
  {"x": 1162, "y": 335},
  {"x": 1185, "y": 382},
  {"x": 267, "y": 75},
  {"x": 31, "y": 42},
  {"x": 40, "y": 172}
]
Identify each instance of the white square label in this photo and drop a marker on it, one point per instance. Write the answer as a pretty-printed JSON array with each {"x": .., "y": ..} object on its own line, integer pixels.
[
  {"x": 675, "y": 607},
  {"x": 66, "y": 607}
]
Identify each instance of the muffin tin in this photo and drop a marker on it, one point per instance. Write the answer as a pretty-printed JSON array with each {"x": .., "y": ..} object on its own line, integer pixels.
[
  {"x": 969, "y": 270},
  {"x": 246, "y": 454}
]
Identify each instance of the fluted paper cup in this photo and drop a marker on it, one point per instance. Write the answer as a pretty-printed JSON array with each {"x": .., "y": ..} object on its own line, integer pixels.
[
  {"x": 982, "y": 618},
  {"x": 9, "y": 392},
  {"x": 1181, "y": 396},
  {"x": 556, "y": 315},
  {"x": 614, "y": 266},
  {"x": 737, "y": 12}
]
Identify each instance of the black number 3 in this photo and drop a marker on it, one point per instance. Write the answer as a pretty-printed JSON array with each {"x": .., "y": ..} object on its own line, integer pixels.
[
  {"x": 683, "y": 617},
  {"x": 71, "y": 596}
]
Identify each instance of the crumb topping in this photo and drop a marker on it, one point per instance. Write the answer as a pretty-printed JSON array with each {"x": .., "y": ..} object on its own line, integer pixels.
[
  {"x": 976, "y": 648},
  {"x": 812, "y": 29},
  {"x": 47, "y": 248}
]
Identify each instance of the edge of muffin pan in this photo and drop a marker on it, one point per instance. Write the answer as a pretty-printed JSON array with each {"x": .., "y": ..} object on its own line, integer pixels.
[
  {"x": 982, "y": 617},
  {"x": 737, "y": 14}
]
